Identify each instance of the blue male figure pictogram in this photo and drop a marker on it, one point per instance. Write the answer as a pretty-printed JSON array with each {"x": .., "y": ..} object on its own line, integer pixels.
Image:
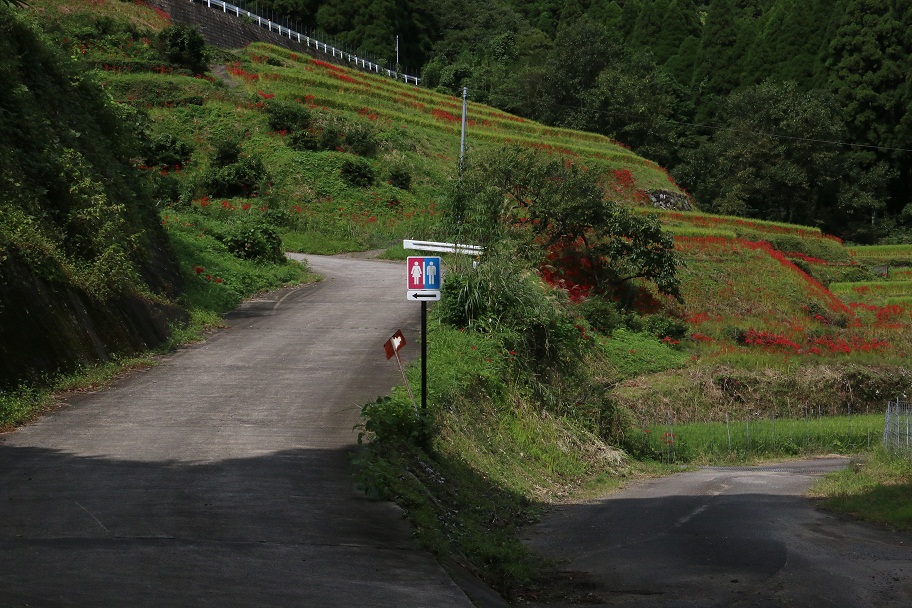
[{"x": 430, "y": 274}]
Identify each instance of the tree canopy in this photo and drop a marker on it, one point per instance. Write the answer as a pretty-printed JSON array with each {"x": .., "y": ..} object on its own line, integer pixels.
[
  {"x": 769, "y": 158},
  {"x": 548, "y": 204}
]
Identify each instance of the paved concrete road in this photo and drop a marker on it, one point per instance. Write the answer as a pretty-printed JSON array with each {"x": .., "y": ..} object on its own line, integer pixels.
[
  {"x": 222, "y": 477},
  {"x": 726, "y": 537}
]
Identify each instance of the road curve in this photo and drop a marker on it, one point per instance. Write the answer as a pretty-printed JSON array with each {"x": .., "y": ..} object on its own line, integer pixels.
[
  {"x": 725, "y": 537},
  {"x": 222, "y": 476}
]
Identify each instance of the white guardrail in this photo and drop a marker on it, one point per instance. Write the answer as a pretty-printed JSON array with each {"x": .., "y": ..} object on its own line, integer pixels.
[{"x": 307, "y": 40}]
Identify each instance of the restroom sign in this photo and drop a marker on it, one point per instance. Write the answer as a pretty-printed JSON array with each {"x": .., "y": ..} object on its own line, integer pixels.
[{"x": 423, "y": 273}]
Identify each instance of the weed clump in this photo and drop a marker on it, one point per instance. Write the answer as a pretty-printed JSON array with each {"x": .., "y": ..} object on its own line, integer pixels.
[
  {"x": 357, "y": 172},
  {"x": 399, "y": 177},
  {"x": 184, "y": 46},
  {"x": 287, "y": 117}
]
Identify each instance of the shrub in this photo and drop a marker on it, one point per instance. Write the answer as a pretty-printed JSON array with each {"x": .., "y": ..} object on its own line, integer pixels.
[
  {"x": 359, "y": 138},
  {"x": 665, "y": 327},
  {"x": 303, "y": 141},
  {"x": 319, "y": 136},
  {"x": 400, "y": 177},
  {"x": 226, "y": 152},
  {"x": 501, "y": 297},
  {"x": 165, "y": 188},
  {"x": 255, "y": 242},
  {"x": 287, "y": 116},
  {"x": 164, "y": 149},
  {"x": 330, "y": 136},
  {"x": 391, "y": 419},
  {"x": 184, "y": 46},
  {"x": 237, "y": 179},
  {"x": 357, "y": 172},
  {"x": 601, "y": 314}
]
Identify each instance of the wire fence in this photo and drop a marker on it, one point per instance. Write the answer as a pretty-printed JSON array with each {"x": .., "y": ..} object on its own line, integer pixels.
[
  {"x": 308, "y": 40},
  {"x": 751, "y": 437},
  {"x": 897, "y": 435}
]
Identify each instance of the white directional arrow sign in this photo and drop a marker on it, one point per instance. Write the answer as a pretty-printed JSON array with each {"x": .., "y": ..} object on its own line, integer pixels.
[{"x": 422, "y": 295}]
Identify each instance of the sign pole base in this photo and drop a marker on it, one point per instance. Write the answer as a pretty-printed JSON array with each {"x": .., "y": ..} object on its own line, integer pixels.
[{"x": 408, "y": 386}]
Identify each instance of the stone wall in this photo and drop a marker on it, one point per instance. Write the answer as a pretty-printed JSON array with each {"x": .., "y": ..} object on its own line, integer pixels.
[
  {"x": 49, "y": 326},
  {"x": 227, "y": 31},
  {"x": 666, "y": 199}
]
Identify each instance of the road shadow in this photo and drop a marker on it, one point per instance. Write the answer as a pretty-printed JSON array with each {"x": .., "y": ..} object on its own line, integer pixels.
[
  {"x": 741, "y": 540},
  {"x": 280, "y": 529}
]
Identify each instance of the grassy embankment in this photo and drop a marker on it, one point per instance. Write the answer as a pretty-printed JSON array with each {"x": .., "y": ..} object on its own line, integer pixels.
[{"x": 80, "y": 228}]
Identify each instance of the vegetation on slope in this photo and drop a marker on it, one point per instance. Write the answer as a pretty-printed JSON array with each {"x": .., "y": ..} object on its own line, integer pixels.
[
  {"x": 875, "y": 487},
  {"x": 794, "y": 111},
  {"x": 92, "y": 272},
  {"x": 75, "y": 224}
]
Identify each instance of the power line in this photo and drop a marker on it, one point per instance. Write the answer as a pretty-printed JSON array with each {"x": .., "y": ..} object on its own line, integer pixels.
[
  {"x": 744, "y": 131},
  {"x": 792, "y": 137}
]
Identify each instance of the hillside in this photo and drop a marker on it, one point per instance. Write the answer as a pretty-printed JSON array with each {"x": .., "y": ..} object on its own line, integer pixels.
[
  {"x": 754, "y": 292},
  {"x": 86, "y": 267},
  {"x": 772, "y": 109},
  {"x": 272, "y": 142},
  {"x": 89, "y": 272}
]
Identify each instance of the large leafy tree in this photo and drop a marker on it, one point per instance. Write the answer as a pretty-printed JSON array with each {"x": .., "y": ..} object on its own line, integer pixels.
[
  {"x": 483, "y": 52},
  {"x": 486, "y": 55},
  {"x": 369, "y": 27},
  {"x": 729, "y": 31},
  {"x": 552, "y": 203},
  {"x": 662, "y": 27},
  {"x": 635, "y": 103},
  {"x": 718, "y": 62},
  {"x": 301, "y": 10},
  {"x": 373, "y": 25},
  {"x": 568, "y": 74},
  {"x": 790, "y": 41}
]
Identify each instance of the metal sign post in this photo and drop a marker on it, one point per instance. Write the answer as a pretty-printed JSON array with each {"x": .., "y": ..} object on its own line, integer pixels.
[
  {"x": 424, "y": 278},
  {"x": 423, "y": 356}
]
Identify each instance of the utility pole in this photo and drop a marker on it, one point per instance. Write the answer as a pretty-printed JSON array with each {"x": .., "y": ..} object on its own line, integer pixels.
[{"x": 465, "y": 95}]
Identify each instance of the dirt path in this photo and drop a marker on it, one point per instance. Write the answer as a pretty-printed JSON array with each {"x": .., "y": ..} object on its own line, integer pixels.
[
  {"x": 724, "y": 537},
  {"x": 222, "y": 477}
]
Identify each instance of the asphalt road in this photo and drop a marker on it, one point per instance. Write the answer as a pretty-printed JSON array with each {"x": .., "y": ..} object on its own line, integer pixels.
[
  {"x": 724, "y": 537},
  {"x": 222, "y": 477}
]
